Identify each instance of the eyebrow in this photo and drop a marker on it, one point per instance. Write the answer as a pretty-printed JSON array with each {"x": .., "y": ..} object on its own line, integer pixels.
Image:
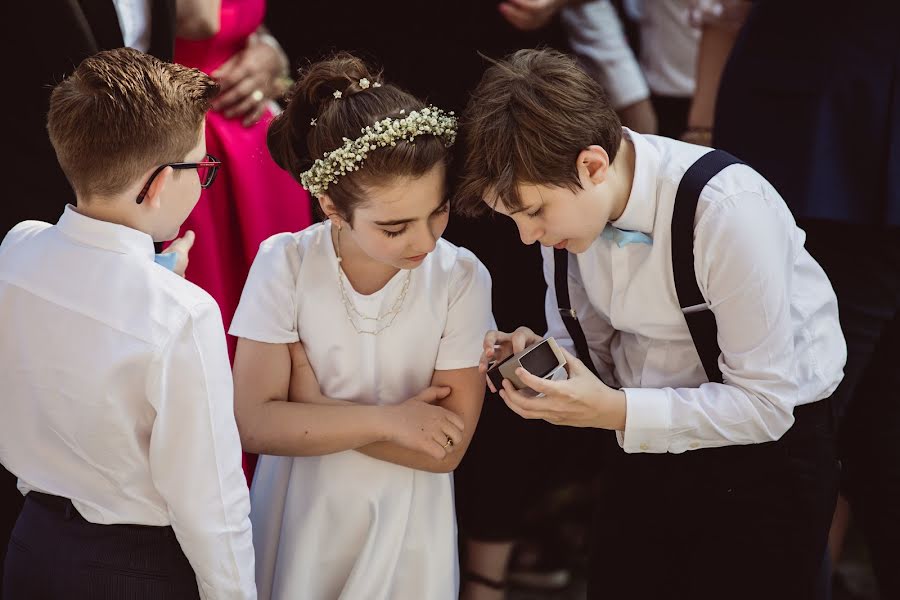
[{"x": 395, "y": 222}]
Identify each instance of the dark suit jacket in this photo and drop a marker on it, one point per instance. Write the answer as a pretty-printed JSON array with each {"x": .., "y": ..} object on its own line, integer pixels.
[
  {"x": 811, "y": 98},
  {"x": 43, "y": 41}
]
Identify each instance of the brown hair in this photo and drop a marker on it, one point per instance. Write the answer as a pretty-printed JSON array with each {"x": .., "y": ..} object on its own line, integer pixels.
[
  {"x": 295, "y": 143},
  {"x": 526, "y": 122},
  {"x": 121, "y": 113}
]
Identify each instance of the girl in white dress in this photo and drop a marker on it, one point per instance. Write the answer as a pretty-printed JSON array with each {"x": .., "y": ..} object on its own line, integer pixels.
[{"x": 356, "y": 372}]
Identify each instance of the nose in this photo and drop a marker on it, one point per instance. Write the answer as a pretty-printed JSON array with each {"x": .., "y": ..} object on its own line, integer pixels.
[
  {"x": 426, "y": 241},
  {"x": 528, "y": 234}
]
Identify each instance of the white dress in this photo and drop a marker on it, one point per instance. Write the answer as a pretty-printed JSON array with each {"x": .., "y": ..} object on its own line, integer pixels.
[{"x": 346, "y": 525}]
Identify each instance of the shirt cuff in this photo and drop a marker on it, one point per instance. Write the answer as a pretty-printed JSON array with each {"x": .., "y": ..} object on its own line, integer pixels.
[{"x": 647, "y": 421}]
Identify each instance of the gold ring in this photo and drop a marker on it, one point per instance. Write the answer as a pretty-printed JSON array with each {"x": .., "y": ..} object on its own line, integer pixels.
[
  {"x": 449, "y": 442},
  {"x": 257, "y": 95}
]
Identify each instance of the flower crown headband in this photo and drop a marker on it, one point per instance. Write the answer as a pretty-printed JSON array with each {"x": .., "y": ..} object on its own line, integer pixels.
[{"x": 387, "y": 132}]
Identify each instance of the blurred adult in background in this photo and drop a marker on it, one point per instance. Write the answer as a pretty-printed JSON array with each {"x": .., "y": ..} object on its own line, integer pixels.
[
  {"x": 810, "y": 97},
  {"x": 252, "y": 199}
]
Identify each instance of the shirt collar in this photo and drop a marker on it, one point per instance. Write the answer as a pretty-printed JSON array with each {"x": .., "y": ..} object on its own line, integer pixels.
[
  {"x": 106, "y": 235},
  {"x": 640, "y": 211}
]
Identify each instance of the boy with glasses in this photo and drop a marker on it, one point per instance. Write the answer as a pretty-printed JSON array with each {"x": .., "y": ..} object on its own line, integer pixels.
[{"x": 117, "y": 412}]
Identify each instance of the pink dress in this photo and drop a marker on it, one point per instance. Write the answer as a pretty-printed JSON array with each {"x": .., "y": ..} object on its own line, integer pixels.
[{"x": 251, "y": 198}]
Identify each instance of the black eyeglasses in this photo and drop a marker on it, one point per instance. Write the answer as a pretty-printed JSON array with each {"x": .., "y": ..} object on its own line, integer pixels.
[{"x": 206, "y": 171}]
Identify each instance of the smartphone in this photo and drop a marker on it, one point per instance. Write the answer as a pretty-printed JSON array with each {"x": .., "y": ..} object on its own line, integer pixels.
[{"x": 542, "y": 359}]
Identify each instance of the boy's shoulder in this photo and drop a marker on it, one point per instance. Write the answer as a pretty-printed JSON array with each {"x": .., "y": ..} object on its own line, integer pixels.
[
  {"x": 21, "y": 233},
  {"x": 676, "y": 157}
]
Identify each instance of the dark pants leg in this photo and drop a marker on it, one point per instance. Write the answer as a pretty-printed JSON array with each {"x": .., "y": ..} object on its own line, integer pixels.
[
  {"x": 54, "y": 554},
  {"x": 863, "y": 264},
  {"x": 513, "y": 462},
  {"x": 671, "y": 115},
  {"x": 10, "y": 505},
  {"x": 734, "y": 522}
]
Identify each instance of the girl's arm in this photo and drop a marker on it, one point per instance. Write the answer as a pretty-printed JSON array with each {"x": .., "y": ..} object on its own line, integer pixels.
[
  {"x": 264, "y": 378},
  {"x": 465, "y": 400},
  {"x": 466, "y": 396}
]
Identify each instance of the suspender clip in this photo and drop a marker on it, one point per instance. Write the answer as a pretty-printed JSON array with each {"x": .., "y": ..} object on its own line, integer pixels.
[{"x": 568, "y": 312}]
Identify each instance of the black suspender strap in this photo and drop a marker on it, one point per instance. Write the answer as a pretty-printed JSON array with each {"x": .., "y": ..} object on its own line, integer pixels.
[
  {"x": 569, "y": 317},
  {"x": 700, "y": 320}
]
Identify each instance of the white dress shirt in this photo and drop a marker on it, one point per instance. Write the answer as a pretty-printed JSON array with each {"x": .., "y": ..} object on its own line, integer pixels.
[
  {"x": 778, "y": 330},
  {"x": 134, "y": 20},
  {"x": 669, "y": 45},
  {"x": 595, "y": 34},
  {"x": 117, "y": 392}
]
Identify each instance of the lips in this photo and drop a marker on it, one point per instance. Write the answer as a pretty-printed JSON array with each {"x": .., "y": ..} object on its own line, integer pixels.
[{"x": 417, "y": 258}]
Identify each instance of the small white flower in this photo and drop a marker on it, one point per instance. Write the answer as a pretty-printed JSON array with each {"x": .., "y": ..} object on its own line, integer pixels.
[
  {"x": 364, "y": 83},
  {"x": 337, "y": 94},
  {"x": 376, "y": 84}
]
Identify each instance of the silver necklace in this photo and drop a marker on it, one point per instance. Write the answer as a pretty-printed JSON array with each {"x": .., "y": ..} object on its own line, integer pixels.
[{"x": 358, "y": 319}]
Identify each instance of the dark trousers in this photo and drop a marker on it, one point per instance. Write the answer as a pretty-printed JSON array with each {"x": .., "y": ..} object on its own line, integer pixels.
[
  {"x": 863, "y": 264},
  {"x": 10, "y": 505},
  {"x": 671, "y": 115},
  {"x": 734, "y": 522},
  {"x": 55, "y": 554}
]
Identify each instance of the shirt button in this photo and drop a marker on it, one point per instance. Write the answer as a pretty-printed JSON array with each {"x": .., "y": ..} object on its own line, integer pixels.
[
  {"x": 645, "y": 446},
  {"x": 695, "y": 444}
]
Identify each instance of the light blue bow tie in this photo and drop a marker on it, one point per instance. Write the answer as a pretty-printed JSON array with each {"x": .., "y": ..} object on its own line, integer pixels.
[
  {"x": 622, "y": 236},
  {"x": 166, "y": 260}
]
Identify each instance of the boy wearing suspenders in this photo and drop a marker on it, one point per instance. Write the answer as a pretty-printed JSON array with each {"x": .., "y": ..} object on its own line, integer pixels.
[{"x": 707, "y": 338}]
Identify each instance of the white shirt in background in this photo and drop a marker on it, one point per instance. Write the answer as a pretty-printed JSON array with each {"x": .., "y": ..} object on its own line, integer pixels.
[
  {"x": 776, "y": 311},
  {"x": 135, "y": 22},
  {"x": 117, "y": 392},
  {"x": 669, "y": 45}
]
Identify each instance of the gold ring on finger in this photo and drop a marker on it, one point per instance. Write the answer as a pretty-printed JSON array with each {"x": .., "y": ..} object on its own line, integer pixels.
[{"x": 449, "y": 443}]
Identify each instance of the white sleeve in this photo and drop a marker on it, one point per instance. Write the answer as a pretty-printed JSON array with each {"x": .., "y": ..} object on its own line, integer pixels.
[
  {"x": 469, "y": 315},
  {"x": 745, "y": 250},
  {"x": 195, "y": 456},
  {"x": 267, "y": 311},
  {"x": 597, "y": 39},
  {"x": 597, "y": 330}
]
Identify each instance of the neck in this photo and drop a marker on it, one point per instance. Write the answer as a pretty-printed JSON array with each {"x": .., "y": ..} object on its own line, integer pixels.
[
  {"x": 365, "y": 274},
  {"x": 111, "y": 210},
  {"x": 621, "y": 178}
]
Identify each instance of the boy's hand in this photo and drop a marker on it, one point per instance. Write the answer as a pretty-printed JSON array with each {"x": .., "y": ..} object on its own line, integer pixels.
[
  {"x": 498, "y": 346},
  {"x": 581, "y": 401},
  {"x": 181, "y": 247}
]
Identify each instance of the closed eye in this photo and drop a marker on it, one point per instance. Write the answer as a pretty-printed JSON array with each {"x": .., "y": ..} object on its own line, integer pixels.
[{"x": 536, "y": 213}]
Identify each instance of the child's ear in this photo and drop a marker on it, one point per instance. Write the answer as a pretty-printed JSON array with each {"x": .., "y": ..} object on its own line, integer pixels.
[
  {"x": 593, "y": 164},
  {"x": 159, "y": 183},
  {"x": 330, "y": 210}
]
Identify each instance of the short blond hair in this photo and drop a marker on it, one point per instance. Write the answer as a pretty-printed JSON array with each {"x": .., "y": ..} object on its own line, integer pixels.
[{"x": 121, "y": 113}]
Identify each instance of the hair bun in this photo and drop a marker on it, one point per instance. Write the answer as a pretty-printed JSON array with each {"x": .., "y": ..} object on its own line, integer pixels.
[{"x": 343, "y": 72}]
